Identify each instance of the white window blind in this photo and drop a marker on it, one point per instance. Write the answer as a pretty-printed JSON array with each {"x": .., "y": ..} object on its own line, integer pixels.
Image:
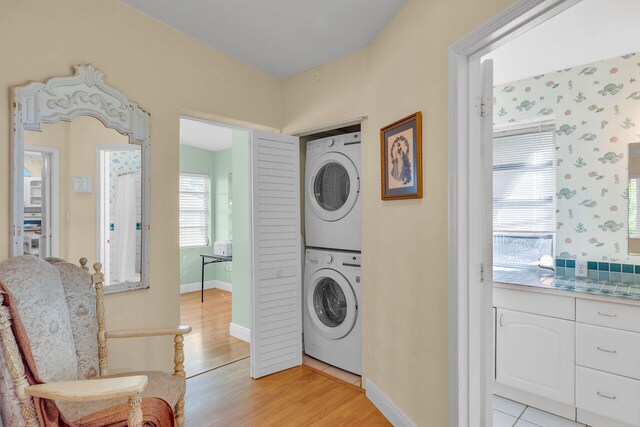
[
  {"x": 194, "y": 210},
  {"x": 634, "y": 213},
  {"x": 524, "y": 195},
  {"x": 524, "y": 181}
]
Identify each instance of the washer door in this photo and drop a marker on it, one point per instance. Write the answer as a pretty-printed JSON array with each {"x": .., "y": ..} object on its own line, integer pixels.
[
  {"x": 331, "y": 303},
  {"x": 333, "y": 187}
]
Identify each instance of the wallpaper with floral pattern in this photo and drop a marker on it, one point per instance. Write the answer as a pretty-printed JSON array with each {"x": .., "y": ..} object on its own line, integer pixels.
[
  {"x": 596, "y": 109},
  {"x": 121, "y": 162}
]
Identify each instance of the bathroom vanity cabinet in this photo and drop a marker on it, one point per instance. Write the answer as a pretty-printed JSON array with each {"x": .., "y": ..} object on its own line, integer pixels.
[
  {"x": 569, "y": 354},
  {"x": 535, "y": 354}
]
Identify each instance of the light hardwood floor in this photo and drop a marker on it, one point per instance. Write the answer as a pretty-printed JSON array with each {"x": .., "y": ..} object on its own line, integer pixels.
[
  {"x": 299, "y": 396},
  {"x": 209, "y": 345},
  {"x": 319, "y": 365}
]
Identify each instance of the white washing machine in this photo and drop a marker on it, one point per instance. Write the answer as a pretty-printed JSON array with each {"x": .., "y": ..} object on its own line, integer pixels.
[
  {"x": 331, "y": 311},
  {"x": 332, "y": 193}
]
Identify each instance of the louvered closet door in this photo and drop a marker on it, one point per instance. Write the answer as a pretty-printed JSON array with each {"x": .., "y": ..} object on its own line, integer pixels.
[{"x": 276, "y": 332}]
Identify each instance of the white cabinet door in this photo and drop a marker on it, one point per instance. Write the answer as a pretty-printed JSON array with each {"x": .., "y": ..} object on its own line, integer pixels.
[
  {"x": 536, "y": 354},
  {"x": 276, "y": 332}
]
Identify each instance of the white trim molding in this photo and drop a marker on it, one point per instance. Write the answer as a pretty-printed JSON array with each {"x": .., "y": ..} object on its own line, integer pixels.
[
  {"x": 388, "y": 407},
  {"x": 469, "y": 385},
  {"x": 208, "y": 284},
  {"x": 240, "y": 332}
]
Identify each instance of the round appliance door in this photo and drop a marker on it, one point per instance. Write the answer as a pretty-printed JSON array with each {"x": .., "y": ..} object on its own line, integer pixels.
[
  {"x": 333, "y": 187},
  {"x": 331, "y": 303}
]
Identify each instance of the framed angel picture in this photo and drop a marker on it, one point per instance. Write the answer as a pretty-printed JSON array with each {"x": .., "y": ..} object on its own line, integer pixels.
[{"x": 401, "y": 158}]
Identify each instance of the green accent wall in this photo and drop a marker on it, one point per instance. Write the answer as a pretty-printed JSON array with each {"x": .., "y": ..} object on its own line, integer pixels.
[
  {"x": 216, "y": 164},
  {"x": 241, "y": 275}
]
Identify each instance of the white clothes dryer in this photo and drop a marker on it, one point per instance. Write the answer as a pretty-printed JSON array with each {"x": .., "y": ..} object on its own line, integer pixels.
[
  {"x": 330, "y": 305},
  {"x": 332, "y": 193}
]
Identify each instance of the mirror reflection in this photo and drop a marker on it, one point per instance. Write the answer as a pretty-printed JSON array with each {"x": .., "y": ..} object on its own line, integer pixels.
[
  {"x": 634, "y": 185},
  {"x": 83, "y": 195}
]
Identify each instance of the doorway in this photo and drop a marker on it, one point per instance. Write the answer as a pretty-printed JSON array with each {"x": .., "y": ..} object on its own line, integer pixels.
[
  {"x": 41, "y": 187},
  {"x": 263, "y": 243},
  {"x": 214, "y": 243},
  {"x": 517, "y": 208},
  {"x": 470, "y": 208}
]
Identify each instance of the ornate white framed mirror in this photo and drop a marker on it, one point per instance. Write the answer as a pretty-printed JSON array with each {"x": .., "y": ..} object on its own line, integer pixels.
[{"x": 80, "y": 176}]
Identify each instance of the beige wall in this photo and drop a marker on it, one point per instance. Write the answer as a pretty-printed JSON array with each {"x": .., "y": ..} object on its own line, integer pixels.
[
  {"x": 404, "y": 243},
  {"x": 166, "y": 72}
]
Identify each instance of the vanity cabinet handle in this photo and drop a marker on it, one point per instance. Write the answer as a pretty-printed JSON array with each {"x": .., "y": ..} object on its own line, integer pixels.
[
  {"x": 607, "y": 315},
  {"x": 606, "y": 351},
  {"x": 605, "y": 396},
  {"x": 501, "y": 320}
]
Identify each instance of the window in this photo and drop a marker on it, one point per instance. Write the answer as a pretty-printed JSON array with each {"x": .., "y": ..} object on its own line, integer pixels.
[
  {"x": 194, "y": 210},
  {"x": 524, "y": 195},
  {"x": 634, "y": 213}
]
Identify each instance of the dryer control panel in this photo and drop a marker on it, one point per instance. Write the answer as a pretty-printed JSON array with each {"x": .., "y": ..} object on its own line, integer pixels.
[{"x": 334, "y": 143}]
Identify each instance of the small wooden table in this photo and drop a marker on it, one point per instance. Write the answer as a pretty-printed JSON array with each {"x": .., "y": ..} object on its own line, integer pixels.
[{"x": 210, "y": 259}]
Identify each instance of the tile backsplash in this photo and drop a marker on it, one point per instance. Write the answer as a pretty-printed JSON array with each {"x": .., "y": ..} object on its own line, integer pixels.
[
  {"x": 596, "y": 111},
  {"x": 597, "y": 270}
]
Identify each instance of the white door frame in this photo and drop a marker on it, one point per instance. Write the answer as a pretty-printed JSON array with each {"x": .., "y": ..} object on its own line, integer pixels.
[
  {"x": 469, "y": 379},
  {"x": 54, "y": 194}
]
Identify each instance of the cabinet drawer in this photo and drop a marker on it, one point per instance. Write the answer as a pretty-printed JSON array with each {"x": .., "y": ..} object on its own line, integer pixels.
[
  {"x": 609, "y": 350},
  {"x": 612, "y": 315},
  {"x": 559, "y": 306},
  {"x": 608, "y": 395}
]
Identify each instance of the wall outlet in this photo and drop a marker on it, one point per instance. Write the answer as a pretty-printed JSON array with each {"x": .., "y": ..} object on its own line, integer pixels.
[{"x": 581, "y": 268}]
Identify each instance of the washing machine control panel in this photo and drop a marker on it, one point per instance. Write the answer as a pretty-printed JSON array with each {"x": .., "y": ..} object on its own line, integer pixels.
[
  {"x": 351, "y": 260},
  {"x": 346, "y": 259}
]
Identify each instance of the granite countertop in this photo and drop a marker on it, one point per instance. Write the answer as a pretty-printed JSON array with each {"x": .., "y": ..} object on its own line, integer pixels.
[{"x": 546, "y": 279}]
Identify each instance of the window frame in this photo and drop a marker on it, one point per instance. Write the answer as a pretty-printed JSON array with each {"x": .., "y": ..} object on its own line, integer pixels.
[
  {"x": 522, "y": 128},
  {"x": 207, "y": 178}
]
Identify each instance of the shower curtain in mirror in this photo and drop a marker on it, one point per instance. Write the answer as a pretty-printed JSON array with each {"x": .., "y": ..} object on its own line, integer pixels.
[{"x": 124, "y": 236}]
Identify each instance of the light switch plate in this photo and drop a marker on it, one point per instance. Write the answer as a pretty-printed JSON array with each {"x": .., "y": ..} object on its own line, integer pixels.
[{"x": 581, "y": 268}]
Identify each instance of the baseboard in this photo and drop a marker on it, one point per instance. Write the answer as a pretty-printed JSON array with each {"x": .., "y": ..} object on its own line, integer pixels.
[
  {"x": 388, "y": 408},
  {"x": 547, "y": 405},
  {"x": 208, "y": 284},
  {"x": 240, "y": 332}
]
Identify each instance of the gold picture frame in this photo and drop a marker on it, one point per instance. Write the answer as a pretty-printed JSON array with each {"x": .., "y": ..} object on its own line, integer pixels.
[{"x": 401, "y": 159}]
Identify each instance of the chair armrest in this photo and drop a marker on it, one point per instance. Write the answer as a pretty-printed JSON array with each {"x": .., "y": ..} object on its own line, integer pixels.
[
  {"x": 180, "y": 330},
  {"x": 87, "y": 390}
]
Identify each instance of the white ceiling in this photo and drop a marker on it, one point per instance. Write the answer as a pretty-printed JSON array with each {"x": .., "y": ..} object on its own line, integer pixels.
[
  {"x": 207, "y": 136},
  {"x": 281, "y": 37},
  {"x": 590, "y": 31}
]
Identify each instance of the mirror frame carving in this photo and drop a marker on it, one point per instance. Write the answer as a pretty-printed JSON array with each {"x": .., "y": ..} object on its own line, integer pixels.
[{"x": 63, "y": 99}]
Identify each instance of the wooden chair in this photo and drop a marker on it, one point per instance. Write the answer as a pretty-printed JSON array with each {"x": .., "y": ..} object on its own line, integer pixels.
[{"x": 63, "y": 317}]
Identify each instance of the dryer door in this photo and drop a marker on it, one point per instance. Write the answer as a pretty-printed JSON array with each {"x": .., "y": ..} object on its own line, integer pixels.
[
  {"x": 331, "y": 303},
  {"x": 333, "y": 187}
]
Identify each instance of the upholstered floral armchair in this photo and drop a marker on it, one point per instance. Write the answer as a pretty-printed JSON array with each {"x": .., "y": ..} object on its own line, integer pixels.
[{"x": 53, "y": 359}]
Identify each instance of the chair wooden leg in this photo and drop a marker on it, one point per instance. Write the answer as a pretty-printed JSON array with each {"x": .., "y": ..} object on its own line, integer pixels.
[
  {"x": 178, "y": 369},
  {"x": 135, "y": 411},
  {"x": 179, "y": 412}
]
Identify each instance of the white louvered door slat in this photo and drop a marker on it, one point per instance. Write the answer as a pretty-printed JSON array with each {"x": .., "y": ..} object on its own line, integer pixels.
[{"x": 276, "y": 331}]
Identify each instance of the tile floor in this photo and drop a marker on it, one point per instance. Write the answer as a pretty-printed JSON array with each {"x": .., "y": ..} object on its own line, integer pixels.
[
  {"x": 332, "y": 370},
  {"x": 507, "y": 413}
]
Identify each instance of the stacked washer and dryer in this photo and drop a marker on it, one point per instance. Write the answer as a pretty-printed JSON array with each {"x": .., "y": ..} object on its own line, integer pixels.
[{"x": 332, "y": 260}]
